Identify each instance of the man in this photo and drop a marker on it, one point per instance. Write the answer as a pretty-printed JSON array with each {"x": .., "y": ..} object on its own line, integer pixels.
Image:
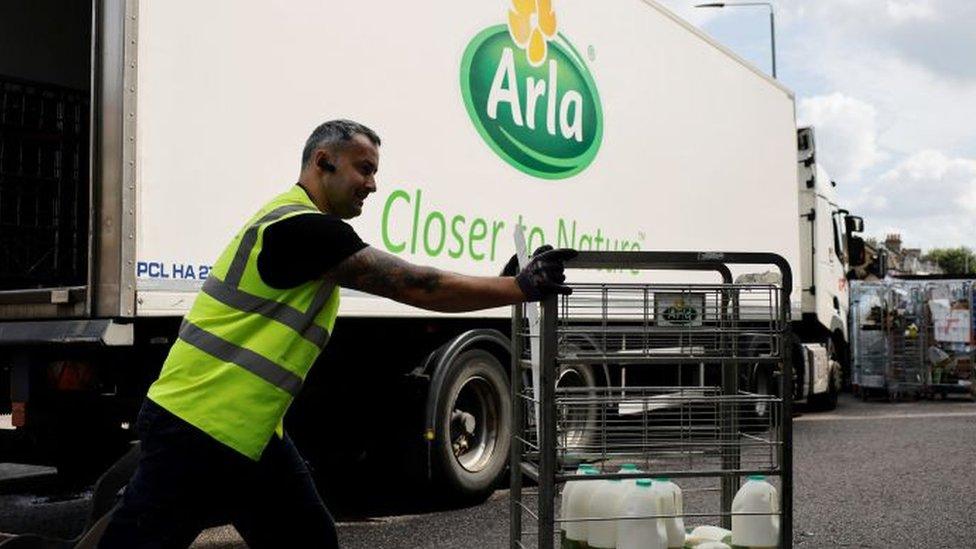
[{"x": 213, "y": 448}]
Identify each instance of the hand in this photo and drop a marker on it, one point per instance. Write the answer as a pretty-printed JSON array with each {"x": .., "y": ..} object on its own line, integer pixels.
[
  {"x": 511, "y": 268},
  {"x": 543, "y": 275}
]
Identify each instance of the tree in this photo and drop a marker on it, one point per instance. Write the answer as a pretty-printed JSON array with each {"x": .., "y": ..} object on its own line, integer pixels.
[{"x": 953, "y": 261}]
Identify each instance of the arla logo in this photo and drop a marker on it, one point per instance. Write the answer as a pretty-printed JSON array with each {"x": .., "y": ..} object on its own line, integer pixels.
[
  {"x": 679, "y": 309},
  {"x": 680, "y": 314},
  {"x": 530, "y": 95}
]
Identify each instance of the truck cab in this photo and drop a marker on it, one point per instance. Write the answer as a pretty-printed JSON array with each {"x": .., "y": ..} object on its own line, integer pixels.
[{"x": 829, "y": 246}]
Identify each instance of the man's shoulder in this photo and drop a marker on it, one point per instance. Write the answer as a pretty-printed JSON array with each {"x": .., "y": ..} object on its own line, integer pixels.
[{"x": 312, "y": 219}]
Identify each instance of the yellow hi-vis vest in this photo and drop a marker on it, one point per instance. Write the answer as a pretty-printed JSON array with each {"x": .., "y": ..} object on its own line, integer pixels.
[{"x": 244, "y": 348}]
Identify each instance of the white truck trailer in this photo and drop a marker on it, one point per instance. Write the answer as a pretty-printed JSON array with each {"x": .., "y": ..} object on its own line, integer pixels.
[{"x": 137, "y": 136}]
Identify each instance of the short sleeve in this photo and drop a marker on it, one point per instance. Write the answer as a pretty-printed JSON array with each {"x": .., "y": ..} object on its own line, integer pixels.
[{"x": 303, "y": 247}]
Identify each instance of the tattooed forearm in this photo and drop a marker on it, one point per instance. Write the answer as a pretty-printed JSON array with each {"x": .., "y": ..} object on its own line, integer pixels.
[
  {"x": 377, "y": 272},
  {"x": 424, "y": 278}
]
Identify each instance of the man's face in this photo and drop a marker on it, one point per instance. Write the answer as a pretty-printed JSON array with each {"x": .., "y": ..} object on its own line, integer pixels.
[{"x": 346, "y": 189}]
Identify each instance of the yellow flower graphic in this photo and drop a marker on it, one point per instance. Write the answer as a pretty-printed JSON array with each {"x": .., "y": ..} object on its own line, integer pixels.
[{"x": 531, "y": 23}]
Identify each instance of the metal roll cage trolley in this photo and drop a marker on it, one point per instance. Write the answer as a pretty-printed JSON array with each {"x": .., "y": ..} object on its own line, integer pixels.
[{"x": 706, "y": 436}]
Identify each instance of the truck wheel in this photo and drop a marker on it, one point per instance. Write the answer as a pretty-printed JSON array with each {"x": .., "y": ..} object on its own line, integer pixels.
[
  {"x": 757, "y": 379},
  {"x": 827, "y": 401},
  {"x": 763, "y": 384},
  {"x": 839, "y": 351},
  {"x": 474, "y": 418},
  {"x": 577, "y": 424}
]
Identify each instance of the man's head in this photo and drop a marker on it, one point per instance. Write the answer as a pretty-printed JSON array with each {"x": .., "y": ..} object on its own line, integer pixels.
[{"x": 339, "y": 164}]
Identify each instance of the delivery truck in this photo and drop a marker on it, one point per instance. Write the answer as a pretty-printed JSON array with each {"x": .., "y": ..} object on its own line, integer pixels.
[{"x": 138, "y": 136}]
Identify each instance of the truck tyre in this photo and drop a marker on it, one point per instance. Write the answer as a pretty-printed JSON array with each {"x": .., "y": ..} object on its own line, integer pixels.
[
  {"x": 766, "y": 380},
  {"x": 760, "y": 381},
  {"x": 577, "y": 425},
  {"x": 763, "y": 383},
  {"x": 474, "y": 416},
  {"x": 839, "y": 351},
  {"x": 828, "y": 401}
]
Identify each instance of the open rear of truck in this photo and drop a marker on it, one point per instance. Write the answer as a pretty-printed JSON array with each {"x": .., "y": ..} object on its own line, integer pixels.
[
  {"x": 138, "y": 135},
  {"x": 66, "y": 223},
  {"x": 45, "y": 115},
  {"x": 67, "y": 213}
]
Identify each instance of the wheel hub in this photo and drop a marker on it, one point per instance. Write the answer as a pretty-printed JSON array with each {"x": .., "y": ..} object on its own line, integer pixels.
[
  {"x": 762, "y": 388},
  {"x": 475, "y": 416},
  {"x": 573, "y": 422}
]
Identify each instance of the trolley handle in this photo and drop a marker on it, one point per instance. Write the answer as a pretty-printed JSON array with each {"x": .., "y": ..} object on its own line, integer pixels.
[{"x": 683, "y": 261}]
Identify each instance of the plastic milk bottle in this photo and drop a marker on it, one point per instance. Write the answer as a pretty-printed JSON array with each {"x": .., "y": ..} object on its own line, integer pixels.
[
  {"x": 756, "y": 496},
  {"x": 574, "y": 533},
  {"x": 669, "y": 497},
  {"x": 642, "y": 533},
  {"x": 604, "y": 503}
]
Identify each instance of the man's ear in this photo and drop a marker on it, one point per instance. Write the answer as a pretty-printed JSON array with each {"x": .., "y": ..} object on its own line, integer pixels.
[{"x": 324, "y": 164}]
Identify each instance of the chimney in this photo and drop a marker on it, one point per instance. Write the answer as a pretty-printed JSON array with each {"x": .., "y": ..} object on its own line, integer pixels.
[{"x": 893, "y": 242}]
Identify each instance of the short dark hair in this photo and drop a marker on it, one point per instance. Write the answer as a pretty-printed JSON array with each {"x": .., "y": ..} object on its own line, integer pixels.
[{"x": 334, "y": 132}]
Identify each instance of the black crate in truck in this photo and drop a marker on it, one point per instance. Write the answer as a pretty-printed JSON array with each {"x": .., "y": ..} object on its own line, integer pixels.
[{"x": 44, "y": 191}]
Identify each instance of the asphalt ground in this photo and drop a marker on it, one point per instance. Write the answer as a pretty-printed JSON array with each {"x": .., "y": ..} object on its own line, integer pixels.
[{"x": 869, "y": 474}]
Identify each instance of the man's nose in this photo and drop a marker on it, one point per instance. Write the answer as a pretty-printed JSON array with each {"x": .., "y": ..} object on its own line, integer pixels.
[{"x": 371, "y": 184}]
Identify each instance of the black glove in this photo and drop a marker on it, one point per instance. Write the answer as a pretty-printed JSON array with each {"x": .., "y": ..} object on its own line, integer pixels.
[
  {"x": 543, "y": 275},
  {"x": 512, "y": 268}
]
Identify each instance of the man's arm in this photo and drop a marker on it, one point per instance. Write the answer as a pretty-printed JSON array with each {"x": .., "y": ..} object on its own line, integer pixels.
[{"x": 380, "y": 273}]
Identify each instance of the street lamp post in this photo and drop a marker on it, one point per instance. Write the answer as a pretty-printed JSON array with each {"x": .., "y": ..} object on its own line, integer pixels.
[{"x": 772, "y": 21}]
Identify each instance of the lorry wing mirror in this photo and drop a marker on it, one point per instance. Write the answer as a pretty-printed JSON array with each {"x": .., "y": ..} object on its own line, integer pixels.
[
  {"x": 853, "y": 224},
  {"x": 855, "y": 250}
]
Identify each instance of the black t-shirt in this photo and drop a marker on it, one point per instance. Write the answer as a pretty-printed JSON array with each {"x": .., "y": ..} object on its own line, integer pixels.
[{"x": 303, "y": 247}]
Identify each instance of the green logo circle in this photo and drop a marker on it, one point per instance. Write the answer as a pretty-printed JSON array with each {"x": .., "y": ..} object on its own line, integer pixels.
[{"x": 546, "y": 121}]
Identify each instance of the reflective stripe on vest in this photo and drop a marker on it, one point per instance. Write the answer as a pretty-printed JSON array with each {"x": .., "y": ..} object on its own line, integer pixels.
[
  {"x": 245, "y": 358},
  {"x": 303, "y": 323}
]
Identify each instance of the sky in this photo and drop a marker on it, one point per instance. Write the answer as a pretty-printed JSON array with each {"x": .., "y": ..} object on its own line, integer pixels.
[{"x": 890, "y": 87}]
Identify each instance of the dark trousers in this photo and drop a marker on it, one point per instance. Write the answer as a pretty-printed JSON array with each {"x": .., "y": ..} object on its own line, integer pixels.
[{"x": 187, "y": 481}]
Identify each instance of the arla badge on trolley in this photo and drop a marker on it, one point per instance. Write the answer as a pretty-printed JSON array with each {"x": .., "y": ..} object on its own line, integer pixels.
[{"x": 679, "y": 309}]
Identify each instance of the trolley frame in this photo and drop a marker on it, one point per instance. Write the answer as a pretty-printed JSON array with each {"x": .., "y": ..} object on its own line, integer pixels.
[{"x": 546, "y": 473}]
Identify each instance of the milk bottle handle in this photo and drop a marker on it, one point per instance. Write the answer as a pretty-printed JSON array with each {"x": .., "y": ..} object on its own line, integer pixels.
[{"x": 679, "y": 506}]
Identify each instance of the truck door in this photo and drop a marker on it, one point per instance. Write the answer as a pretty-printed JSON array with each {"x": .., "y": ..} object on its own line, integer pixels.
[
  {"x": 67, "y": 131},
  {"x": 45, "y": 112}
]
